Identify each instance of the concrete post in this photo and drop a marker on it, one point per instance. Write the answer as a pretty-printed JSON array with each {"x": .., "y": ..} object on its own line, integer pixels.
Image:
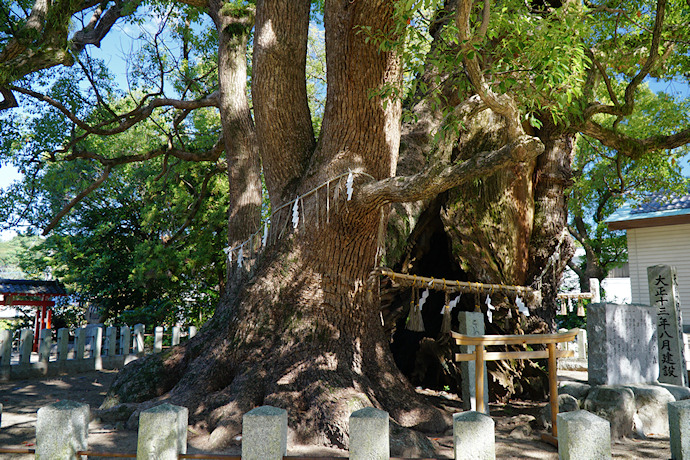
[
  {"x": 192, "y": 331},
  {"x": 158, "y": 340},
  {"x": 474, "y": 436},
  {"x": 264, "y": 434},
  {"x": 471, "y": 323},
  {"x": 175, "y": 335},
  {"x": 61, "y": 430},
  {"x": 5, "y": 347},
  {"x": 44, "y": 345},
  {"x": 595, "y": 290},
  {"x": 583, "y": 436},
  {"x": 111, "y": 340},
  {"x": 369, "y": 434},
  {"x": 25, "y": 345},
  {"x": 138, "y": 339},
  {"x": 582, "y": 344},
  {"x": 679, "y": 429},
  {"x": 98, "y": 348},
  {"x": 63, "y": 344},
  {"x": 162, "y": 432},
  {"x": 125, "y": 340},
  {"x": 79, "y": 343}
]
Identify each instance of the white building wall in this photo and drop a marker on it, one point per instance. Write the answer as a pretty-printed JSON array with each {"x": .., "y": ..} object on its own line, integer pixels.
[{"x": 667, "y": 245}]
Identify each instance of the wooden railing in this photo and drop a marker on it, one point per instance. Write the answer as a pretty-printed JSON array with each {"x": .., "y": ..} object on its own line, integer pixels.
[{"x": 551, "y": 353}]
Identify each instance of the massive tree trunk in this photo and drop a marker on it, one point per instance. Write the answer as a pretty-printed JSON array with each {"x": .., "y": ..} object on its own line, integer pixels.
[{"x": 306, "y": 333}]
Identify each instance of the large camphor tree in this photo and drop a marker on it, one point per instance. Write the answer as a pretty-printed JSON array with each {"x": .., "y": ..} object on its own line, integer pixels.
[{"x": 458, "y": 122}]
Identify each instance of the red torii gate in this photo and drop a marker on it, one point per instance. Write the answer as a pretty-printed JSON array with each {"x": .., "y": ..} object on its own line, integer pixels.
[{"x": 33, "y": 293}]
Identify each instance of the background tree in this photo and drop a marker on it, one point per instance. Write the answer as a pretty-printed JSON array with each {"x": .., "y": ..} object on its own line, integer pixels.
[
  {"x": 503, "y": 94},
  {"x": 604, "y": 179}
]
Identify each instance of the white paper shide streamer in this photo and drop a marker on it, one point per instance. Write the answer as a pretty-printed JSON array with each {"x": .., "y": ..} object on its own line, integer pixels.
[
  {"x": 452, "y": 304},
  {"x": 228, "y": 252},
  {"x": 422, "y": 299},
  {"x": 489, "y": 308},
  {"x": 522, "y": 308},
  {"x": 240, "y": 257},
  {"x": 295, "y": 214},
  {"x": 348, "y": 186},
  {"x": 265, "y": 237}
]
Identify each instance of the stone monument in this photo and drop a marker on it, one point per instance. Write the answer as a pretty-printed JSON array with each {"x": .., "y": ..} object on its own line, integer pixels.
[
  {"x": 663, "y": 295},
  {"x": 622, "y": 344}
]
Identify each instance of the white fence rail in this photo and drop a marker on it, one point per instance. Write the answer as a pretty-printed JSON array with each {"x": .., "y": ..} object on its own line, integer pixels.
[{"x": 80, "y": 350}]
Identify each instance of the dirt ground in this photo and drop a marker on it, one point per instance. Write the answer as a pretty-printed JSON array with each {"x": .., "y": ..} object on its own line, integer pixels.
[{"x": 515, "y": 438}]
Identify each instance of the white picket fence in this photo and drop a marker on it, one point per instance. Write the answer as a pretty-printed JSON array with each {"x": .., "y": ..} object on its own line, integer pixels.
[{"x": 78, "y": 350}]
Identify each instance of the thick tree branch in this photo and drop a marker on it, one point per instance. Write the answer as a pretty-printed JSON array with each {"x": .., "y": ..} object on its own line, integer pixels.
[
  {"x": 8, "y": 100},
  {"x": 630, "y": 146},
  {"x": 440, "y": 178},
  {"x": 503, "y": 104},
  {"x": 652, "y": 58},
  {"x": 94, "y": 185},
  {"x": 124, "y": 121}
]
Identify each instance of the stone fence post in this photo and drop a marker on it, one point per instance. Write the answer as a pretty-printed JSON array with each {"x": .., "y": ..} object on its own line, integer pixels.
[
  {"x": 5, "y": 347},
  {"x": 175, "y": 336},
  {"x": 79, "y": 343},
  {"x": 138, "y": 339},
  {"x": 158, "y": 340},
  {"x": 264, "y": 434},
  {"x": 583, "y": 436},
  {"x": 111, "y": 341},
  {"x": 62, "y": 430},
  {"x": 44, "y": 347},
  {"x": 162, "y": 432},
  {"x": 679, "y": 429},
  {"x": 474, "y": 436},
  {"x": 25, "y": 346},
  {"x": 62, "y": 344},
  {"x": 125, "y": 340},
  {"x": 369, "y": 434}
]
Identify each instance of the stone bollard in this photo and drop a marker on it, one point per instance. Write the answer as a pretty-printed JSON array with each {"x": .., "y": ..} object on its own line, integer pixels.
[
  {"x": 471, "y": 323},
  {"x": 264, "y": 434},
  {"x": 125, "y": 340},
  {"x": 62, "y": 429},
  {"x": 473, "y": 436},
  {"x": 192, "y": 331},
  {"x": 79, "y": 343},
  {"x": 5, "y": 347},
  {"x": 369, "y": 434},
  {"x": 138, "y": 339},
  {"x": 158, "y": 340},
  {"x": 26, "y": 343},
  {"x": 583, "y": 436},
  {"x": 44, "y": 346},
  {"x": 111, "y": 340},
  {"x": 582, "y": 344},
  {"x": 162, "y": 432},
  {"x": 679, "y": 429},
  {"x": 98, "y": 348},
  {"x": 175, "y": 335},
  {"x": 62, "y": 344}
]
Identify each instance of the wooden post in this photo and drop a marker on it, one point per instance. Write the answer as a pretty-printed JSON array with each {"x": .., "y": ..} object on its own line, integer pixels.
[
  {"x": 553, "y": 387},
  {"x": 479, "y": 377}
]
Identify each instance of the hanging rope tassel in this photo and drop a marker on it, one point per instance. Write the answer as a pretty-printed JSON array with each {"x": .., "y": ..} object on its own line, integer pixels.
[
  {"x": 415, "y": 322},
  {"x": 580, "y": 308}
]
